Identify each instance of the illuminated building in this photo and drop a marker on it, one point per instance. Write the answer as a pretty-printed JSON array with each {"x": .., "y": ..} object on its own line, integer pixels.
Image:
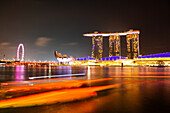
[
  {"x": 159, "y": 55},
  {"x": 132, "y": 37},
  {"x": 63, "y": 59},
  {"x": 114, "y": 45},
  {"x": 113, "y": 58},
  {"x": 132, "y": 45},
  {"x": 85, "y": 58},
  {"x": 160, "y": 59},
  {"x": 97, "y": 47},
  {"x": 85, "y": 61}
]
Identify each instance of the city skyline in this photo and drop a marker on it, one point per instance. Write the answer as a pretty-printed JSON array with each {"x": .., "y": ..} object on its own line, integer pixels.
[{"x": 45, "y": 26}]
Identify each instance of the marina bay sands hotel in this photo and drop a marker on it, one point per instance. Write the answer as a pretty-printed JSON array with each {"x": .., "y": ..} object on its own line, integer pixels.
[{"x": 132, "y": 39}]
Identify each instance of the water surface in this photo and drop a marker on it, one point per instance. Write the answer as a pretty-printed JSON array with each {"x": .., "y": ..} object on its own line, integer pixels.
[{"x": 135, "y": 95}]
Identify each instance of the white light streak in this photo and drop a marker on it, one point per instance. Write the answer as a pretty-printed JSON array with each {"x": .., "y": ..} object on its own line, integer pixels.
[{"x": 57, "y": 76}]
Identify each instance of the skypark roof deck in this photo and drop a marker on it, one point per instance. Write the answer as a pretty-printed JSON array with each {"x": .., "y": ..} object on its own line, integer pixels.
[{"x": 112, "y": 34}]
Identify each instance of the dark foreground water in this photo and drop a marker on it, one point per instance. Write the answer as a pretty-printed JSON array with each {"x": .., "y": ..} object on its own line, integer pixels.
[{"x": 143, "y": 90}]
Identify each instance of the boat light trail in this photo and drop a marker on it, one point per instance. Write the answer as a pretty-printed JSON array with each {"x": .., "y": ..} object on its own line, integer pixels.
[
  {"x": 140, "y": 76},
  {"x": 53, "y": 85},
  {"x": 57, "y": 76},
  {"x": 51, "y": 97},
  {"x": 34, "y": 81}
]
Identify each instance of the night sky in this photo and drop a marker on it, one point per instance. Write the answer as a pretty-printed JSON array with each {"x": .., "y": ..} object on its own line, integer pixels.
[{"x": 44, "y": 26}]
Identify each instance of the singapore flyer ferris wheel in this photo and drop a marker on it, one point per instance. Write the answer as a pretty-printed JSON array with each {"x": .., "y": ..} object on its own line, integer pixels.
[{"x": 20, "y": 56}]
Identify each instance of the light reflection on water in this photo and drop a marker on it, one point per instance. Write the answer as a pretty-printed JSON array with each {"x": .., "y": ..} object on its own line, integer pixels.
[
  {"x": 135, "y": 95},
  {"x": 22, "y": 73},
  {"x": 19, "y": 73}
]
